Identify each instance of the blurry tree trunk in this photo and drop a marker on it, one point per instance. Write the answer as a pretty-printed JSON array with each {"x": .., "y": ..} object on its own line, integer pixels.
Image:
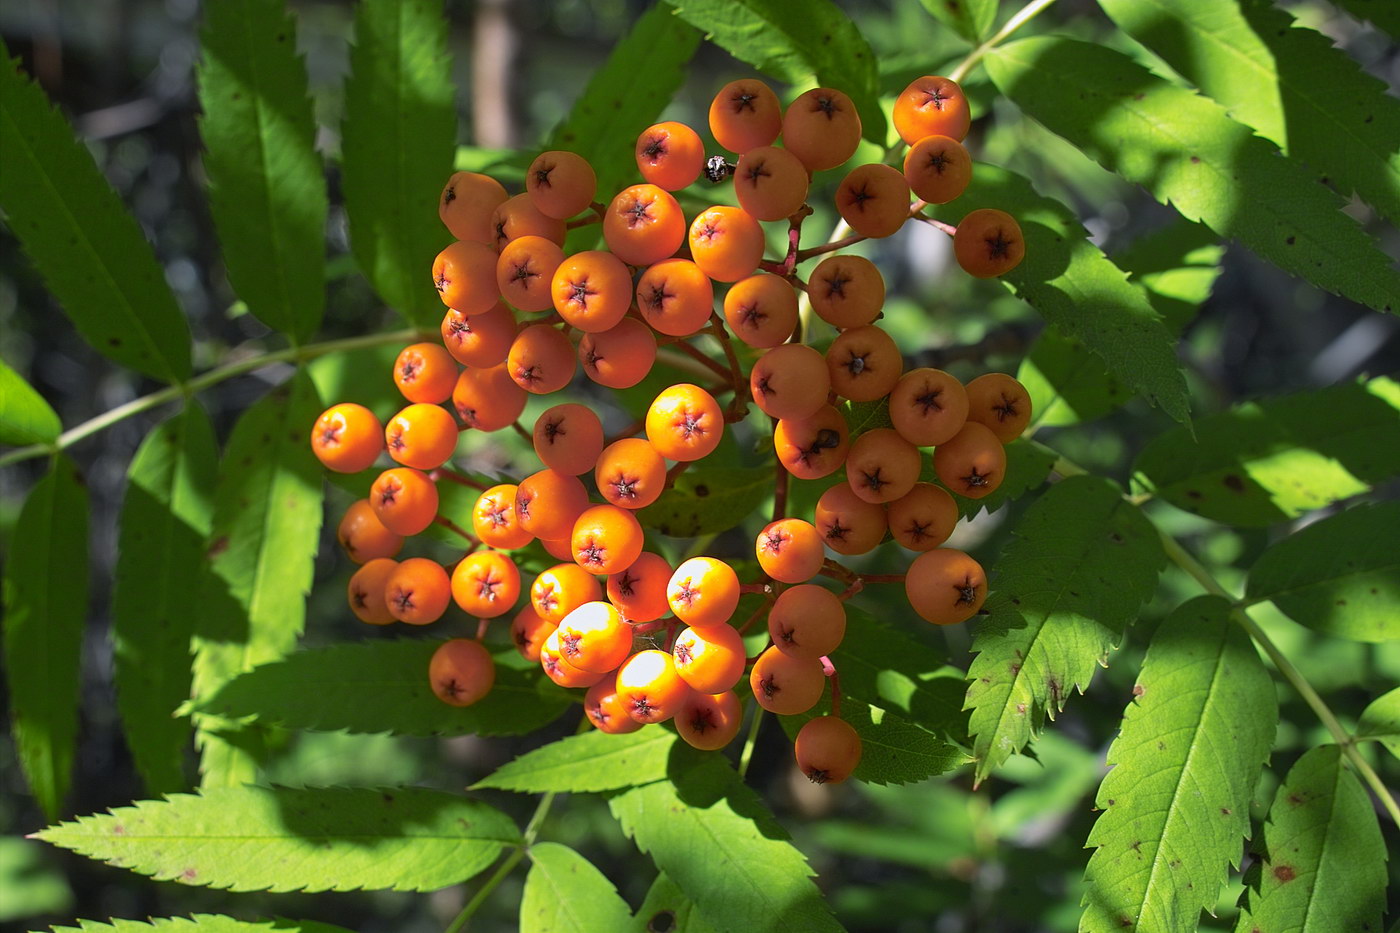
[{"x": 495, "y": 42}]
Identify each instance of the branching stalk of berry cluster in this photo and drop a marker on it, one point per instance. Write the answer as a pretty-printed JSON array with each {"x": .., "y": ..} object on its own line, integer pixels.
[
  {"x": 839, "y": 571},
  {"x": 738, "y": 407},
  {"x": 829, "y": 670},
  {"x": 461, "y": 479},
  {"x": 751, "y": 740},
  {"x": 472, "y": 541},
  {"x": 700, "y": 356}
]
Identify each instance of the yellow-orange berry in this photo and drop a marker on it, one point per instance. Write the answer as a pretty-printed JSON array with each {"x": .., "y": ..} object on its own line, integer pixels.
[
  {"x": 822, "y": 128},
  {"x": 827, "y": 750},
  {"x": 347, "y": 438},
  {"x": 466, "y": 204},
  {"x": 417, "y": 591},
  {"x": 461, "y": 672},
  {"x": 560, "y": 184},
  {"x": 945, "y": 586},
  {"x": 367, "y": 591},
  {"x": 684, "y": 422},
  {"x": 486, "y": 584},
  {"x": 670, "y": 155},
  {"x": 745, "y": 114},
  {"x": 726, "y": 243},
  {"x": 709, "y": 721},
  {"x": 988, "y": 243},
  {"x": 931, "y": 106},
  {"x": 1001, "y": 403}
]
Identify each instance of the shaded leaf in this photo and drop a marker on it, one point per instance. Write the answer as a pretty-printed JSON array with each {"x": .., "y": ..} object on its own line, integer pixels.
[
  {"x": 667, "y": 908},
  {"x": 81, "y": 239},
  {"x": 592, "y": 761},
  {"x": 165, "y": 521},
  {"x": 254, "y": 838},
  {"x": 1380, "y": 721},
  {"x": 1187, "y": 152},
  {"x": 706, "y": 500},
  {"x": 1176, "y": 802},
  {"x": 1382, "y": 14},
  {"x": 971, "y": 19},
  {"x": 1082, "y": 562},
  {"x": 1177, "y": 265},
  {"x": 25, "y": 416},
  {"x": 564, "y": 893},
  {"x": 45, "y": 597},
  {"x": 201, "y": 923}
]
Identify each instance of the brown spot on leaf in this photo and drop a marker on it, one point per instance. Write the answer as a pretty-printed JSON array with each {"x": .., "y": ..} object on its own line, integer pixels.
[
  {"x": 1284, "y": 873},
  {"x": 1233, "y": 482}
]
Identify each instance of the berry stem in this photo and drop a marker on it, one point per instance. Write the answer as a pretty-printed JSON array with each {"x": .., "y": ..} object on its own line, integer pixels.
[
  {"x": 758, "y": 613},
  {"x": 937, "y": 224},
  {"x": 460, "y": 479},
  {"x": 751, "y": 740},
  {"x": 755, "y": 588},
  {"x": 481, "y": 625},
  {"x": 472, "y": 541},
  {"x": 1021, "y": 17},
  {"x": 532, "y": 830},
  {"x": 697, "y": 354},
  {"x": 677, "y": 469},
  {"x": 630, "y": 431},
  {"x": 519, "y": 428},
  {"x": 738, "y": 408},
  {"x": 829, "y": 670}
]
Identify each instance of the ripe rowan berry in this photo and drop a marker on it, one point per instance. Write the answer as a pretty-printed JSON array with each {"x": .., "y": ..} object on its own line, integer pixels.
[
  {"x": 846, "y": 291},
  {"x": 923, "y": 518},
  {"x": 882, "y": 466},
  {"x": 670, "y": 155},
  {"x": 726, "y": 243},
  {"x": 592, "y": 290},
  {"x": 684, "y": 422},
  {"x": 822, "y": 128},
  {"x": 560, "y": 184},
  {"x": 421, "y": 436},
  {"x": 558, "y": 669},
  {"x": 464, "y": 274},
  {"x": 931, "y": 106},
  {"x": 988, "y": 243},
  {"x": 973, "y": 463},
  {"x": 630, "y": 473},
  {"x": 745, "y": 114},
  {"x": 790, "y": 381},
  {"x": 425, "y": 372},
  {"x": 786, "y": 685},
  {"x": 790, "y": 550},
  {"x": 466, "y": 204},
  {"x": 812, "y": 447},
  {"x": 675, "y": 297},
  {"x": 703, "y": 592},
  {"x": 541, "y": 360},
  {"x": 643, "y": 225},
  {"x": 461, "y": 672},
  {"x": 709, "y": 721},
  {"x": 928, "y": 407},
  {"x": 368, "y": 589},
  {"x": 568, "y": 438},
  {"x": 405, "y": 500},
  {"x": 595, "y": 638},
  {"x": 606, "y": 539},
  {"x": 1001, "y": 403},
  {"x": 827, "y": 750},
  {"x": 945, "y": 586},
  {"x": 363, "y": 535},
  {"x": 761, "y": 310},
  {"x": 639, "y": 590},
  {"x": 709, "y": 660},
  {"x": 548, "y": 503},
  {"x": 481, "y": 340},
  {"x": 770, "y": 183},
  {"x": 517, "y": 217},
  {"x": 605, "y": 710},
  {"x": 525, "y": 272},
  {"x": 847, "y": 523},
  {"x": 864, "y": 363},
  {"x": 650, "y": 688},
  {"x": 807, "y": 621},
  {"x": 561, "y": 589},
  {"x": 486, "y": 584},
  {"x": 417, "y": 592},
  {"x": 528, "y": 631},
  {"x": 619, "y": 357},
  {"x": 874, "y": 199},
  {"x": 488, "y": 399},
  {"x": 938, "y": 169},
  {"x": 558, "y": 548},
  {"x": 347, "y": 438}
]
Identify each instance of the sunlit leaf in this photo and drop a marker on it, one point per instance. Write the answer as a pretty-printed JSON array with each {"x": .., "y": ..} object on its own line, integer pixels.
[
  {"x": 593, "y": 761},
  {"x": 564, "y": 893},
  {"x": 25, "y": 417}
]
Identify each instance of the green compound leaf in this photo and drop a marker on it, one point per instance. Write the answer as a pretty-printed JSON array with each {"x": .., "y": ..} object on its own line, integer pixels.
[
  {"x": 642, "y": 74},
  {"x": 1272, "y": 460},
  {"x": 201, "y": 923},
  {"x": 593, "y": 761},
  {"x": 565, "y": 893},
  {"x": 81, "y": 239},
  {"x": 1184, "y": 766},
  {"x": 1177, "y": 265},
  {"x": 262, "y": 549},
  {"x": 1323, "y": 868},
  {"x": 399, "y": 133},
  {"x": 714, "y": 838},
  {"x": 1380, "y": 721},
  {"x": 1188, "y": 153},
  {"x": 1287, "y": 82},
  {"x": 893, "y": 750},
  {"x": 971, "y": 19},
  {"x": 45, "y": 598},
  {"x": 1082, "y": 563},
  {"x": 1336, "y": 576},
  {"x": 1078, "y": 290},
  {"x": 382, "y": 687},
  {"x": 707, "y": 500},
  {"x": 165, "y": 522},
  {"x": 794, "y": 42},
  {"x": 267, "y": 190},
  {"x": 667, "y": 908},
  {"x": 253, "y": 838},
  {"x": 25, "y": 417}
]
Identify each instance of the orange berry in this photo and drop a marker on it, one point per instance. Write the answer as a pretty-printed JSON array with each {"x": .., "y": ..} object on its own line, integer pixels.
[
  {"x": 421, "y": 436},
  {"x": 822, "y": 128},
  {"x": 619, "y": 357},
  {"x": 541, "y": 360},
  {"x": 347, "y": 438},
  {"x": 466, "y": 205},
  {"x": 639, "y": 590},
  {"x": 938, "y": 169},
  {"x": 548, "y": 503},
  {"x": 711, "y": 659},
  {"x": 488, "y": 399},
  {"x": 595, "y": 638},
  {"x": 874, "y": 199},
  {"x": 670, "y": 155},
  {"x": 650, "y": 688},
  {"x": 630, "y": 473},
  {"x": 945, "y": 586},
  {"x": 643, "y": 225},
  {"x": 604, "y": 709},
  {"x": 364, "y": 536},
  {"x": 494, "y": 520},
  {"x": 461, "y": 672},
  {"x": 790, "y": 381},
  {"x": 486, "y": 584},
  {"x": 745, "y": 114},
  {"x": 558, "y": 548},
  {"x": 516, "y": 217},
  {"x": 812, "y": 447},
  {"x": 525, "y": 272},
  {"x": 675, "y": 297},
  {"x": 786, "y": 685},
  {"x": 1001, "y": 403},
  {"x": 405, "y": 500},
  {"x": 568, "y": 438},
  {"x": 703, "y": 592},
  {"x": 561, "y": 589},
  {"x": 560, "y": 184},
  {"x": 726, "y": 243},
  {"x": 931, "y": 106},
  {"x": 481, "y": 340},
  {"x": 790, "y": 550},
  {"x": 709, "y": 721},
  {"x": 770, "y": 183},
  {"x": 592, "y": 290},
  {"x": 827, "y": 750},
  {"x": 464, "y": 275},
  {"x": 923, "y": 518},
  {"x": 684, "y": 422},
  {"x": 528, "y": 631},
  {"x": 882, "y": 466},
  {"x": 847, "y": 523},
  {"x": 864, "y": 363},
  {"x": 928, "y": 406},
  {"x": 425, "y": 372},
  {"x": 367, "y": 591},
  {"x": 973, "y": 463},
  {"x": 558, "y": 669},
  {"x": 846, "y": 291},
  {"x": 988, "y": 243},
  {"x": 417, "y": 592},
  {"x": 761, "y": 310},
  {"x": 807, "y": 621},
  {"x": 606, "y": 539}
]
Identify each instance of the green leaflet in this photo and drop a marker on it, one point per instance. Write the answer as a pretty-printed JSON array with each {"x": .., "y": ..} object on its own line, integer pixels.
[
  {"x": 255, "y": 838},
  {"x": 381, "y": 686},
  {"x": 25, "y": 417},
  {"x": 1078, "y": 290},
  {"x": 1335, "y": 576},
  {"x": 1380, "y": 721},
  {"x": 1323, "y": 863},
  {"x": 642, "y": 74},
  {"x": 971, "y": 19},
  {"x": 160, "y": 564},
  {"x": 266, "y": 186},
  {"x": 45, "y": 598},
  {"x": 564, "y": 893},
  {"x": 714, "y": 838},
  {"x": 1187, "y": 152},
  {"x": 201, "y": 923},
  {"x": 663, "y": 898},
  {"x": 262, "y": 548},
  {"x": 84, "y": 243},
  {"x": 1082, "y": 562},
  {"x": 1288, "y": 82},
  {"x": 1184, "y": 766},
  {"x": 1177, "y": 265},
  {"x": 794, "y": 42},
  {"x": 1263, "y": 462},
  {"x": 708, "y": 499},
  {"x": 397, "y": 149},
  {"x": 591, "y": 761}
]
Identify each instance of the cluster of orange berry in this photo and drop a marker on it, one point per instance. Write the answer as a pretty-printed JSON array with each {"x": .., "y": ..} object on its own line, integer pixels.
[{"x": 654, "y": 283}]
